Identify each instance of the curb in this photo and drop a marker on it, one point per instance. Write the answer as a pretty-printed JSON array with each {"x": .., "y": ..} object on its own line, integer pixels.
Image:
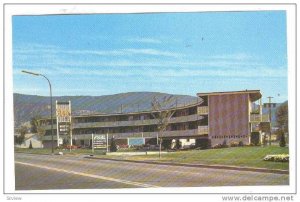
[
  {"x": 225, "y": 167},
  {"x": 33, "y": 153},
  {"x": 49, "y": 154}
]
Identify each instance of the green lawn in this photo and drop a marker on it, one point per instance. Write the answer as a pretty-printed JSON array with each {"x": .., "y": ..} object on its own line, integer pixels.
[{"x": 235, "y": 156}]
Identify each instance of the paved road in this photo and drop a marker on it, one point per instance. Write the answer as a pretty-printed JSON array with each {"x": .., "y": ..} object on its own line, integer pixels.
[{"x": 41, "y": 172}]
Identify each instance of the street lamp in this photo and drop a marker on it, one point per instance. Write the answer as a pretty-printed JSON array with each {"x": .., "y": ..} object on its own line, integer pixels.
[{"x": 35, "y": 74}]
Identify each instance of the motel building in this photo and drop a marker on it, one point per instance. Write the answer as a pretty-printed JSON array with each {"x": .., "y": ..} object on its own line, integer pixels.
[{"x": 234, "y": 116}]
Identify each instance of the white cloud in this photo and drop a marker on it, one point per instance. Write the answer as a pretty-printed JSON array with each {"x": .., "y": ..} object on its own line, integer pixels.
[
  {"x": 50, "y": 60},
  {"x": 35, "y": 49},
  {"x": 236, "y": 56},
  {"x": 144, "y": 40}
]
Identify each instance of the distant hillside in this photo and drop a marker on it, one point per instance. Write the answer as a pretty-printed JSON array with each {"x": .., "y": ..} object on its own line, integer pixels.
[{"x": 28, "y": 106}]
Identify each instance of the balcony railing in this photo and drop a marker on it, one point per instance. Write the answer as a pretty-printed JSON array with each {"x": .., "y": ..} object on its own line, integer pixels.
[
  {"x": 202, "y": 110},
  {"x": 202, "y": 130},
  {"x": 177, "y": 133},
  {"x": 259, "y": 118},
  {"x": 181, "y": 119}
]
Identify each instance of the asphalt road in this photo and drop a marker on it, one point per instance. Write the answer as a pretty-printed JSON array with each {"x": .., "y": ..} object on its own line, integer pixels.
[{"x": 42, "y": 172}]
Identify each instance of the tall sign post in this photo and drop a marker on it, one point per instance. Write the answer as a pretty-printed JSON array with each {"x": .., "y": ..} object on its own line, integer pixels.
[{"x": 63, "y": 121}]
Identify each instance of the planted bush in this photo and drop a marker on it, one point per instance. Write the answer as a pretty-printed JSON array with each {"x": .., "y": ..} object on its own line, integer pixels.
[
  {"x": 217, "y": 146},
  {"x": 203, "y": 143},
  {"x": 234, "y": 144},
  {"x": 277, "y": 158}
]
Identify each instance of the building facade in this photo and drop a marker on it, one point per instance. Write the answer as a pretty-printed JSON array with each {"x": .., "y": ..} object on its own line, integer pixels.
[{"x": 216, "y": 116}]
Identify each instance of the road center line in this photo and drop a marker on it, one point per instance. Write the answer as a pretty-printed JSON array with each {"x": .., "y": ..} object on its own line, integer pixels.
[{"x": 89, "y": 175}]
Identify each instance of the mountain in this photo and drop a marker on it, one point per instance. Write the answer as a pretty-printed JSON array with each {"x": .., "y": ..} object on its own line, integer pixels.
[{"x": 28, "y": 106}]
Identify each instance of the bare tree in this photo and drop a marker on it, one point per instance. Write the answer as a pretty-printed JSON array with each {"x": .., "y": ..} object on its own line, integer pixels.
[
  {"x": 162, "y": 113},
  {"x": 36, "y": 127}
]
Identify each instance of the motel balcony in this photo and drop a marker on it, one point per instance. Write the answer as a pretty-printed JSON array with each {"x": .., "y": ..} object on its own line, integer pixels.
[
  {"x": 259, "y": 118},
  {"x": 202, "y": 110},
  {"x": 202, "y": 130},
  {"x": 178, "y": 133},
  {"x": 181, "y": 119}
]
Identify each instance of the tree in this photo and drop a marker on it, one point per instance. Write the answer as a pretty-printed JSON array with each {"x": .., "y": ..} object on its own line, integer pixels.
[
  {"x": 20, "y": 139},
  {"x": 36, "y": 127},
  {"x": 282, "y": 117},
  {"x": 34, "y": 124},
  {"x": 282, "y": 142},
  {"x": 113, "y": 145},
  {"x": 162, "y": 114},
  {"x": 30, "y": 145}
]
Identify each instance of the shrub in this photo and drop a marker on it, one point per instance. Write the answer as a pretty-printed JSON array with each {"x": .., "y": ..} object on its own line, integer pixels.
[
  {"x": 255, "y": 138},
  {"x": 217, "y": 146},
  {"x": 234, "y": 144},
  {"x": 19, "y": 139},
  {"x": 277, "y": 158},
  {"x": 203, "y": 143},
  {"x": 167, "y": 143}
]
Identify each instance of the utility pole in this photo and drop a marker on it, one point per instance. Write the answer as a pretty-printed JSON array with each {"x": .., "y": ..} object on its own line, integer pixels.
[{"x": 270, "y": 115}]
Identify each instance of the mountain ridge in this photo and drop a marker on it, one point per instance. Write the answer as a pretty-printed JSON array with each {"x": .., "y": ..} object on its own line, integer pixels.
[{"x": 29, "y": 106}]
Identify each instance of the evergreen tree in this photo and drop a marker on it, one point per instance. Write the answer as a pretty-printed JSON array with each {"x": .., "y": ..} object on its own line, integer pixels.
[
  {"x": 282, "y": 142},
  {"x": 178, "y": 144},
  {"x": 113, "y": 145},
  {"x": 30, "y": 145}
]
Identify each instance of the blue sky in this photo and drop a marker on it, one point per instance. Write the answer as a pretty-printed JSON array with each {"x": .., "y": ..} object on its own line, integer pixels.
[{"x": 178, "y": 53}]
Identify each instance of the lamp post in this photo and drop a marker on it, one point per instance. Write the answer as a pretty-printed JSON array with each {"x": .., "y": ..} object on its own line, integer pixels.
[{"x": 36, "y": 74}]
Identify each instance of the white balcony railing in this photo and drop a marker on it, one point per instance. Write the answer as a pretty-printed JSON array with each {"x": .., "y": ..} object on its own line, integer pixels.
[
  {"x": 259, "y": 118},
  {"x": 202, "y": 110},
  {"x": 202, "y": 130}
]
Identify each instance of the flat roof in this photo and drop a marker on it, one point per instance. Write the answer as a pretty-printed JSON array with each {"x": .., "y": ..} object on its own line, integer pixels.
[{"x": 254, "y": 94}]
